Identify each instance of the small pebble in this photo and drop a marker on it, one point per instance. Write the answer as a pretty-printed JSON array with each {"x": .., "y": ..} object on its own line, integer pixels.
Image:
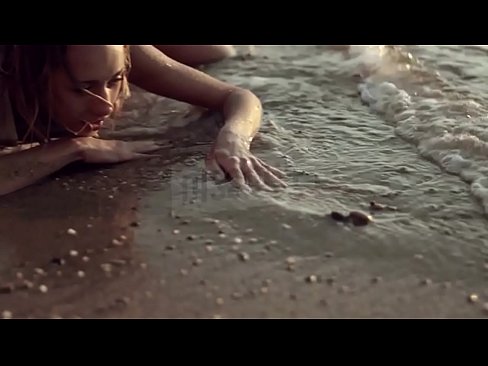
[
  {"x": 267, "y": 282},
  {"x": 123, "y": 237},
  {"x": 264, "y": 290},
  {"x": 343, "y": 289},
  {"x": 426, "y": 282},
  {"x": 43, "y": 288},
  {"x": 39, "y": 271},
  {"x": 208, "y": 241},
  {"x": 191, "y": 237},
  {"x": 81, "y": 274},
  {"x": 337, "y": 216},
  {"x": 27, "y": 284},
  {"x": 106, "y": 267},
  {"x": 73, "y": 253},
  {"x": 235, "y": 248},
  {"x": 7, "y": 289},
  {"x": 170, "y": 247},
  {"x": 58, "y": 261},
  {"x": 85, "y": 259},
  {"x": 446, "y": 285},
  {"x": 222, "y": 236},
  {"x": 117, "y": 242},
  {"x": 59, "y": 273},
  {"x": 290, "y": 267},
  {"x": 473, "y": 298},
  {"x": 328, "y": 255},
  {"x": 244, "y": 257},
  {"x": 184, "y": 272},
  {"x": 19, "y": 275},
  {"x": 237, "y": 240},
  {"x": 248, "y": 231},
  {"x": 7, "y": 314},
  {"x": 374, "y": 206},
  {"x": 89, "y": 226},
  {"x": 418, "y": 256},
  {"x": 176, "y": 232},
  {"x": 185, "y": 222},
  {"x": 360, "y": 218},
  {"x": 219, "y": 301},
  {"x": 286, "y": 226},
  {"x": 71, "y": 232},
  {"x": 236, "y": 295},
  {"x": 376, "y": 279},
  {"x": 291, "y": 260},
  {"x": 123, "y": 300},
  {"x": 197, "y": 262},
  {"x": 143, "y": 265},
  {"x": 149, "y": 294},
  {"x": 311, "y": 279},
  {"x": 253, "y": 240},
  {"x": 134, "y": 224},
  {"x": 209, "y": 248}
]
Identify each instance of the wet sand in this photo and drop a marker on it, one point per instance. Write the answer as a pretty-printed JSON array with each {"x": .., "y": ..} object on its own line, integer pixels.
[{"x": 138, "y": 248}]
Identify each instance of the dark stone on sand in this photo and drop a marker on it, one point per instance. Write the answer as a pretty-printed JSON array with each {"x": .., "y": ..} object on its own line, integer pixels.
[
  {"x": 337, "y": 216},
  {"x": 375, "y": 206},
  {"x": 360, "y": 218},
  {"x": 134, "y": 224}
]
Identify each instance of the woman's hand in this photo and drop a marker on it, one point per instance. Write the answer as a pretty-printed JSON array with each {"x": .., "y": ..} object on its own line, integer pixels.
[
  {"x": 230, "y": 157},
  {"x": 98, "y": 151}
]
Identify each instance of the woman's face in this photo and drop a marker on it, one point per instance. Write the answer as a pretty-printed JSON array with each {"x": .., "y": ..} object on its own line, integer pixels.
[{"x": 82, "y": 102}]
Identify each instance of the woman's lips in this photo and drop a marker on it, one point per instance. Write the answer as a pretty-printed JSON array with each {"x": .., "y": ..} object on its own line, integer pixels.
[{"x": 96, "y": 125}]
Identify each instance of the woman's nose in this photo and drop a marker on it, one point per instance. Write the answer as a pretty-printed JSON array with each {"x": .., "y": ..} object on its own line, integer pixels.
[{"x": 100, "y": 105}]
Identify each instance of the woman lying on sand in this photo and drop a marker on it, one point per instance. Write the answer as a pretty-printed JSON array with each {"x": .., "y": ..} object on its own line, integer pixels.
[{"x": 61, "y": 95}]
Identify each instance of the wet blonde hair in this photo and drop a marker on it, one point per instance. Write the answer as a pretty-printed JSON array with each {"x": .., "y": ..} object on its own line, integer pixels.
[{"x": 28, "y": 71}]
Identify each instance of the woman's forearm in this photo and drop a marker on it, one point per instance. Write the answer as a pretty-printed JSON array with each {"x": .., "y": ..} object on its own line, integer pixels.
[
  {"x": 242, "y": 114},
  {"x": 156, "y": 73},
  {"x": 21, "y": 169}
]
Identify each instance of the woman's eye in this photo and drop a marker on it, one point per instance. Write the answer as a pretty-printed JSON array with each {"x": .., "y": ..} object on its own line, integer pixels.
[{"x": 114, "y": 82}]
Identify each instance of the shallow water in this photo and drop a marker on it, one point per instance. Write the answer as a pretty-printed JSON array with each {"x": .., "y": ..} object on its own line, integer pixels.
[{"x": 403, "y": 126}]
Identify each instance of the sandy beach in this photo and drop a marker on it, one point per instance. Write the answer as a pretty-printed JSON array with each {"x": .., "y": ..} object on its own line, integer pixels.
[{"x": 120, "y": 242}]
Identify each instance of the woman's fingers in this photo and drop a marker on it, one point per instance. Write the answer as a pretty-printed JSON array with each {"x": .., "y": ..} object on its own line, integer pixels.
[
  {"x": 267, "y": 176},
  {"x": 144, "y": 146},
  {"x": 214, "y": 168},
  {"x": 278, "y": 173},
  {"x": 252, "y": 178},
  {"x": 233, "y": 167}
]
